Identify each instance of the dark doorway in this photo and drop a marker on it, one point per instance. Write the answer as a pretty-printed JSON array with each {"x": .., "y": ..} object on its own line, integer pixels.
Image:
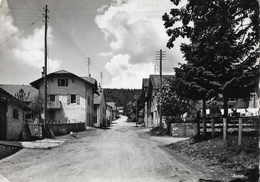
[{"x": 3, "y": 126}]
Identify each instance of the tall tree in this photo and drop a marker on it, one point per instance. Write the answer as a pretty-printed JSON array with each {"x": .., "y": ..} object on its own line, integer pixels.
[{"x": 223, "y": 47}]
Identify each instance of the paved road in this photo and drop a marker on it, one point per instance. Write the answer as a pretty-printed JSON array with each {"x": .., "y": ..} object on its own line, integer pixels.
[{"x": 121, "y": 153}]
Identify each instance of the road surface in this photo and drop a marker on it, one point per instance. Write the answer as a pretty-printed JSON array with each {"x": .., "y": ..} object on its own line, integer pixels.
[{"x": 120, "y": 153}]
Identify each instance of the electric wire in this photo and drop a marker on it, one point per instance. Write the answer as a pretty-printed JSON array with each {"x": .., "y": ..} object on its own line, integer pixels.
[
  {"x": 20, "y": 31},
  {"x": 62, "y": 33}
]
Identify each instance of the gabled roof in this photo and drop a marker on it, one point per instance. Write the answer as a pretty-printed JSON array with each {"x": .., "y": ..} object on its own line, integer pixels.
[
  {"x": 8, "y": 97},
  {"x": 145, "y": 83},
  {"x": 13, "y": 89},
  {"x": 155, "y": 80},
  {"x": 112, "y": 104},
  {"x": 98, "y": 98},
  {"x": 88, "y": 80},
  {"x": 154, "y": 83}
]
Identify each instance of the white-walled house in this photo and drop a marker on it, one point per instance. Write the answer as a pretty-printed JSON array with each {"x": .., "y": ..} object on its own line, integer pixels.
[
  {"x": 109, "y": 111},
  {"x": 12, "y": 116},
  {"x": 100, "y": 109},
  {"x": 70, "y": 97},
  {"x": 152, "y": 112}
]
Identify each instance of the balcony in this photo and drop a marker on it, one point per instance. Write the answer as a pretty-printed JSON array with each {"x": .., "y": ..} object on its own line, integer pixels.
[{"x": 53, "y": 105}]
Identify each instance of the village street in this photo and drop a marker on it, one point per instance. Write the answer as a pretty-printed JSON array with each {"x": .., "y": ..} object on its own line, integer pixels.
[{"x": 122, "y": 152}]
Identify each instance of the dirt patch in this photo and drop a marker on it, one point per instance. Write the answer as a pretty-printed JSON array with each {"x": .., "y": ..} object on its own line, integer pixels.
[{"x": 223, "y": 158}]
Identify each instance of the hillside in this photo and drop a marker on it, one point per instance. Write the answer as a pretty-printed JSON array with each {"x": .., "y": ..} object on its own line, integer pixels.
[{"x": 121, "y": 96}]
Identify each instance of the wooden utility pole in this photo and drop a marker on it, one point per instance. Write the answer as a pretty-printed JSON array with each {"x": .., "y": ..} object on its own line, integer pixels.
[
  {"x": 89, "y": 66},
  {"x": 161, "y": 57},
  {"x": 45, "y": 73},
  {"x": 101, "y": 76}
]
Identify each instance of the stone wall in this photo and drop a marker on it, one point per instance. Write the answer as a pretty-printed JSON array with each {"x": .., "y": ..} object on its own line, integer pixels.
[
  {"x": 183, "y": 129},
  {"x": 66, "y": 128},
  {"x": 58, "y": 129}
]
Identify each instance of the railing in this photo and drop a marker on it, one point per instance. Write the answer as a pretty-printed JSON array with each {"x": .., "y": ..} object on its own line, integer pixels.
[
  {"x": 53, "y": 105},
  {"x": 239, "y": 125}
]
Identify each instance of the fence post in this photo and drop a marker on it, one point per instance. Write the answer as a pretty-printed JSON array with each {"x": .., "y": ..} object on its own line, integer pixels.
[
  {"x": 213, "y": 127},
  {"x": 224, "y": 128},
  {"x": 240, "y": 122}
]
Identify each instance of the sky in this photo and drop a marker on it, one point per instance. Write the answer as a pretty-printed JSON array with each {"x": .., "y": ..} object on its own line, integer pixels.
[{"x": 119, "y": 37}]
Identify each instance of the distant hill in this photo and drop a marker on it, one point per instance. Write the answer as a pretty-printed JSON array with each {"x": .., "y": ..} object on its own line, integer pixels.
[{"x": 121, "y": 96}]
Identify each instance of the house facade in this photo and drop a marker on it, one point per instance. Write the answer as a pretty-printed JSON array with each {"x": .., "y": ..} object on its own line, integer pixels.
[
  {"x": 25, "y": 93},
  {"x": 145, "y": 84},
  {"x": 109, "y": 111},
  {"x": 12, "y": 116},
  {"x": 152, "y": 113},
  {"x": 114, "y": 109},
  {"x": 100, "y": 109},
  {"x": 70, "y": 98}
]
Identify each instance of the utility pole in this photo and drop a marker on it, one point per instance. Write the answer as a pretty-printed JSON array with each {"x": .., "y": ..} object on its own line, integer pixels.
[
  {"x": 45, "y": 73},
  {"x": 101, "y": 76},
  {"x": 89, "y": 66},
  {"x": 161, "y": 55},
  {"x": 155, "y": 69}
]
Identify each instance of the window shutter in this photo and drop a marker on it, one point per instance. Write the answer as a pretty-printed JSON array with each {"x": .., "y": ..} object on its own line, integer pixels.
[
  {"x": 78, "y": 99},
  {"x": 57, "y": 100},
  {"x": 68, "y": 99}
]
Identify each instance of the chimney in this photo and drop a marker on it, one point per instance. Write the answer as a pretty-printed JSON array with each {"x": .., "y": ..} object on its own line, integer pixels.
[
  {"x": 43, "y": 71},
  {"x": 99, "y": 88}
]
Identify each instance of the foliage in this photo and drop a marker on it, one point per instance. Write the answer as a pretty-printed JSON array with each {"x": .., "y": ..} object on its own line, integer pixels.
[
  {"x": 214, "y": 107},
  {"x": 223, "y": 47},
  {"x": 37, "y": 106},
  {"x": 173, "y": 104},
  {"x": 22, "y": 95}
]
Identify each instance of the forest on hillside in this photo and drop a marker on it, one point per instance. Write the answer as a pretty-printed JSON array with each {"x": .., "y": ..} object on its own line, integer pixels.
[{"x": 121, "y": 96}]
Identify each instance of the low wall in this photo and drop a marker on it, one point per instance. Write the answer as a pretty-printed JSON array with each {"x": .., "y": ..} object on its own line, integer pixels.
[
  {"x": 57, "y": 129},
  {"x": 183, "y": 129},
  {"x": 66, "y": 128}
]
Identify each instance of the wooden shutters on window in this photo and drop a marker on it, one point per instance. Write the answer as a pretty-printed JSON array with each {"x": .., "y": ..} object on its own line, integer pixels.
[
  {"x": 78, "y": 99},
  {"x": 68, "y": 99}
]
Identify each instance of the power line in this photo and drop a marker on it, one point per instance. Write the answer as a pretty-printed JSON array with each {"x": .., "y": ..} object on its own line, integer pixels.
[
  {"x": 20, "y": 31},
  {"x": 65, "y": 36}
]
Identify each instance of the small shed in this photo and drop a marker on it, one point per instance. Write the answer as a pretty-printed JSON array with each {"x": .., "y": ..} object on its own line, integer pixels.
[{"x": 12, "y": 117}]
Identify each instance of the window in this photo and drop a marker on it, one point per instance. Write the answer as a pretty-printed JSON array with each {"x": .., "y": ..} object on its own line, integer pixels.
[
  {"x": 52, "y": 98},
  {"x": 73, "y": 98},
  {"x": 15, "y": 113},
  {"x": 88, "y": 100},
  {"x": 62, "y": 82}
]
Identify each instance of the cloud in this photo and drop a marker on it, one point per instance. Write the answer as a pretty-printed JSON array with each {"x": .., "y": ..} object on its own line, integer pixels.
[
  {"x": 135, "y": 28},
  {"x": 127, "y": 75},
  {"x": 23, "y": 51}
]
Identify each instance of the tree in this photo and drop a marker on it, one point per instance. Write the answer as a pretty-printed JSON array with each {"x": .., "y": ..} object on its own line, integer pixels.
[
  {"x": 22, "y": 95},
  {"x": 223, "y": 47},
  {"x": 172, "y": 104},
  {"x": 37, "y": 106}
]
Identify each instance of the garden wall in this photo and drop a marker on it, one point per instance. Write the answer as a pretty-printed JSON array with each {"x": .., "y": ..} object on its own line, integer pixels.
[
  {"x": 57, "y": 129},
  {"x": 183, "y": 129},
  {"x": 66, "y": 128}
]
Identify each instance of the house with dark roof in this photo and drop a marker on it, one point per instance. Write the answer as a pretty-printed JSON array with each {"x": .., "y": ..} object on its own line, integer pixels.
[
  {"x": 12, "y": 117},
  {"x": 109, "y": 111},
  {"x": 150, "y": 90},
  {"x": 15, "y": 90},
  {"x": 70, "y": 97},
  {"x": 114, "y": 109},
  {"x": 145, "y": 86},
  {"x": 100, "y": 109}
]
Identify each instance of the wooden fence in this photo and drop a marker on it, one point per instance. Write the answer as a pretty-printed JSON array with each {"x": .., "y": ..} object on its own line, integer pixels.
[{"x": 241, "y": 125}]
